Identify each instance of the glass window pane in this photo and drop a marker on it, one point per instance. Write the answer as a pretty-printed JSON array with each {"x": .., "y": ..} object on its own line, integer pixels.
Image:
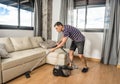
[
  {"x": 26, "y": 18},
  {"x": 26, "y": 14},
  {"x": 95, "y": 17},
  {"x": 81, "y": 18},
  {"x": 8, "y": 15}
]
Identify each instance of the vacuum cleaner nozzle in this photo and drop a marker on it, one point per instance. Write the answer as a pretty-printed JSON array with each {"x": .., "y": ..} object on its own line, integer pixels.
[{"x": 27, "y": 74}]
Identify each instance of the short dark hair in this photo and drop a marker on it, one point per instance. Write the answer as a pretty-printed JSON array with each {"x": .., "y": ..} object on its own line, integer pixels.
[{"x": 58, "y": 23}]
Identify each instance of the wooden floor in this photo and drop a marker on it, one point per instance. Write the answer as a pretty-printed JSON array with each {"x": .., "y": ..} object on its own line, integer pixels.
[{"x": 98, "y": 74}]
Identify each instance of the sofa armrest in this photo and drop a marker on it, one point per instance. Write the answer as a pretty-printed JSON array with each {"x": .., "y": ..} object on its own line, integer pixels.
[{"x": 0, "y": 70}]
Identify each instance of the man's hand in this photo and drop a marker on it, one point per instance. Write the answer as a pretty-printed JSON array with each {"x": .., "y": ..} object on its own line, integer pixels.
[
  {"x": 52, "y": 49},
  {"x": 58, "y": 42},
  {"x": 59, "y": 45}
]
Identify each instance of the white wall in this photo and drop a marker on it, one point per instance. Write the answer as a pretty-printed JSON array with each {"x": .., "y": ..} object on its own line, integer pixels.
[
  {"x": 93, "y": 44},
  {"x": 15, "y": 33}
]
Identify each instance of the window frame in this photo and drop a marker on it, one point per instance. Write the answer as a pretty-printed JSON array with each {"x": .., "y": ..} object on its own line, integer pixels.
[
  {"x": 89, "y": 29},
  {"x": 17, "y": 27}
]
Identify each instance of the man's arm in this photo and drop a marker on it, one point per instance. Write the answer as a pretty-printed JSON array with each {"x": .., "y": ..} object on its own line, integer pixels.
[
  {"x": 59, "y": 41},
  {"x": 64, "y": 39}
]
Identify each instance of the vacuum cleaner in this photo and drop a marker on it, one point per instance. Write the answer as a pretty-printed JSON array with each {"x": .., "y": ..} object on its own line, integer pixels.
[{"x": 64, "y": 68}]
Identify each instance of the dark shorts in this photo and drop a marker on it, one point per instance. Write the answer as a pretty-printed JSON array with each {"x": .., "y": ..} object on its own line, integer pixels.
[{"x": 79, "y": 45}]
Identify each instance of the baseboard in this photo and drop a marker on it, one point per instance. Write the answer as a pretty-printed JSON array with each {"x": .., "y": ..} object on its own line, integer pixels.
[
  {"x": 93, "y": 59},
  {"x": 118, "y": 66}
]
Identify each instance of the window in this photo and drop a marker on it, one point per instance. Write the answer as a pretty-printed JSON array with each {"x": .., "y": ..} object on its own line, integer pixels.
[
  {"x": 16, "y": 14},
  {"x": 26, "y": 18},
  {"x": 94, "y": 17},
  {"x": 79, "y": 15},
  {"x": 89, "y": 14},
  {"x": 8, "y": 15},
  {"x": 26, "y": 14}
]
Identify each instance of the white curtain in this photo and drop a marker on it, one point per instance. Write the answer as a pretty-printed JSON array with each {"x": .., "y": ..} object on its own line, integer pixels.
[
  {"x": 63, "y": 14},
  {"x": 66, "y": 16},
  {"x": 70, "y": 12},
  {"x": 111, "y": 44},
  {"x": 70, "y": 19}
]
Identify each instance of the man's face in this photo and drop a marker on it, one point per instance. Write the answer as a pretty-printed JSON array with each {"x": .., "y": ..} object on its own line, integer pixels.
[{"x": 58, "y": 28}]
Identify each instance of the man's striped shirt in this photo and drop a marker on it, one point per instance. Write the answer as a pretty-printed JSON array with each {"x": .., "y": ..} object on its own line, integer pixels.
[{"x": 73, "y": 33}]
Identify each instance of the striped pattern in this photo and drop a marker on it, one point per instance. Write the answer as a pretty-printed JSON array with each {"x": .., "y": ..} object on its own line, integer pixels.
[{"x": 73, "y": 33}]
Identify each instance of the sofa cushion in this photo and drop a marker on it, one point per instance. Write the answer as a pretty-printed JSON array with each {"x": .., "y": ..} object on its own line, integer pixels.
[
  {"x": 21, "y": 43},
  {"x": 8, "y": 44},
  {"x": 57, "y": 54},
  {"x": 21, "y": 57},
  {"x": 35, "y": 41},
  {"x": 47, "y": 44},
  {"x": 55, "y": 61},
  {"x": 3, "y": 52},
  {"x": 56, "y": 57}
]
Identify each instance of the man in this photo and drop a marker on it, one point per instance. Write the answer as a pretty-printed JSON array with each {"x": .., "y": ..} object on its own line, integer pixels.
[{"x": 78, "y": 41}]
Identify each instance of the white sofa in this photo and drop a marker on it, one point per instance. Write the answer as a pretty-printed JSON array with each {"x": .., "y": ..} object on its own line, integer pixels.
[{"x": 25, "y": 52}]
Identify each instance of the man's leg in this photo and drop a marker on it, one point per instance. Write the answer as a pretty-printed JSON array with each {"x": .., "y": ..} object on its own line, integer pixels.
[
  {"x": 71, "y": 52},
  {"x": 84, "y": 62},
  {"x": 80, "y": 46},
  {"x": 83, "y": 59}
]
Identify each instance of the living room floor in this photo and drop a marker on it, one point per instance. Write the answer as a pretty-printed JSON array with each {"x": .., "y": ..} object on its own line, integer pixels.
[{"x": 98, "y": 74}]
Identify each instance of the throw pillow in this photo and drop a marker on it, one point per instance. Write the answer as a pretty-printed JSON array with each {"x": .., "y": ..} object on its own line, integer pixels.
[
  {"x": 47, "y": 44},
  {"x": 3, "y": 52}
]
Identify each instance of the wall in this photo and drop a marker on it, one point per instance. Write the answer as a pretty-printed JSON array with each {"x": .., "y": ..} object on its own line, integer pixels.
[
  {"x": 15, "y": 33},
  {"x": 93, "y": 44}
]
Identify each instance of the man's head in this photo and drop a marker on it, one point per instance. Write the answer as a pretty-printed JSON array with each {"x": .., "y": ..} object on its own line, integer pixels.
[{"x": 58, "y": 26}]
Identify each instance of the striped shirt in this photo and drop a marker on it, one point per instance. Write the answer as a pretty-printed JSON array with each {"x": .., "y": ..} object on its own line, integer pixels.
[{"x": 73, "y": 33}]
